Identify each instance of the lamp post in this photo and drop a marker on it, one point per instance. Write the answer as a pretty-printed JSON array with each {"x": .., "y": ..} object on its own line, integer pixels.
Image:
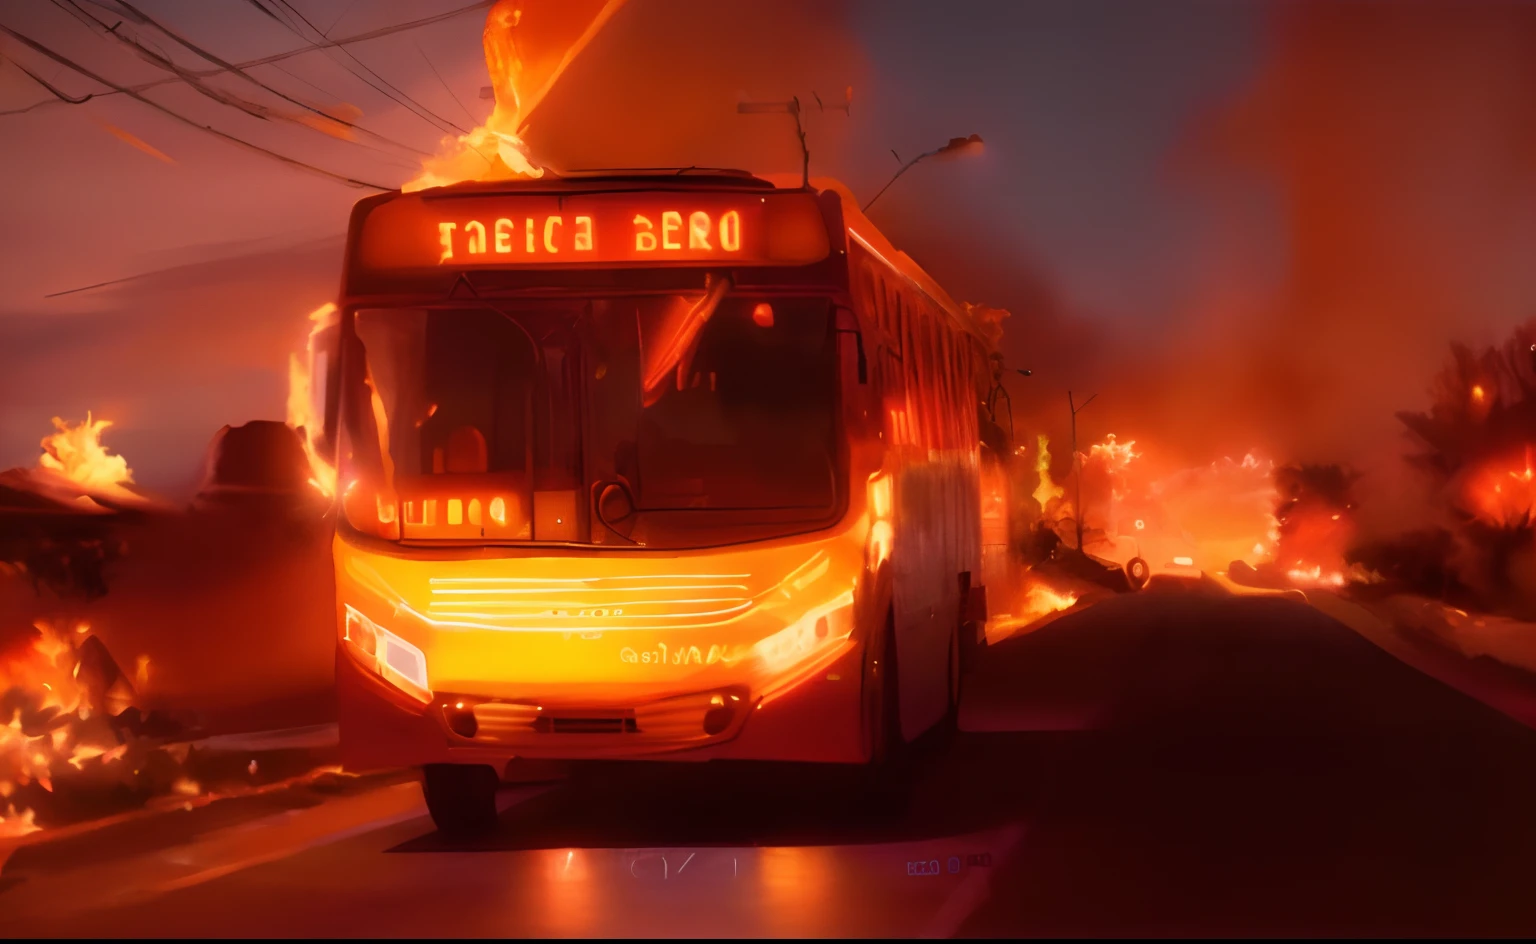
[
  {"x": 955, "y": 148},
  {"x": 1078, "y": 466}
]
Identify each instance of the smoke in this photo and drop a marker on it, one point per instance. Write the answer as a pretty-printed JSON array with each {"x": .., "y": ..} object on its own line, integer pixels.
[
  {"x": 1369, "y": 193},
  {"x": 168, "y": 358},
  {"x": 659, "y": 86}
]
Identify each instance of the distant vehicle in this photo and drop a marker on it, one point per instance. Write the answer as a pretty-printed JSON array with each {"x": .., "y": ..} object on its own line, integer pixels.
[{"x": 666, "y": 466}]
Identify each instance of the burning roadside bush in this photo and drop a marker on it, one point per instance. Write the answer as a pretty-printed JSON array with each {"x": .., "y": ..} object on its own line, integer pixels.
[
  {"x": 1475, "y": 445},
  {"x": 70, "y": 735},
  {"x": 1314, "y": 507}
]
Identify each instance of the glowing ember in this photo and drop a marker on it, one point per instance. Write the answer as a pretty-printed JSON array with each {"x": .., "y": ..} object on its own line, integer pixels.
[
  {"x": 77, "y": 453},
  {"x": 1047, "y": 491},
  {"x": 304, "y": 406}
]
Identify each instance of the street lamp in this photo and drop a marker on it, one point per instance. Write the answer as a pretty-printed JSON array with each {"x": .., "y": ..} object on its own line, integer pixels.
[{"x": 955, "y": 148}]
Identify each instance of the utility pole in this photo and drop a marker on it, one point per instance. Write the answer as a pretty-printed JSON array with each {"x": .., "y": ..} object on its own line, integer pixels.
[
  {"x": 793, "y": 108},
  {"x": 1077, "y": 464}
]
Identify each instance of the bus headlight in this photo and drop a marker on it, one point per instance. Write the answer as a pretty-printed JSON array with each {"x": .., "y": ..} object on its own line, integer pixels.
[
  {"x": 391, "y": 658},
  {"x": 817, "y": 631}
]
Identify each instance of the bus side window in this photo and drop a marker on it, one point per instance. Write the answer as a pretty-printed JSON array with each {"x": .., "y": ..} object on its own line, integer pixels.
[
  {"x": 945, "y": 429},
  {"x": 893, "y": 364},
  {"x": 924, "y": 333}
]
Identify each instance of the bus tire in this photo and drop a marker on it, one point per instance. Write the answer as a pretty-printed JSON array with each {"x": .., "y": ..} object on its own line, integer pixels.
[
  {"x": 461, "y": 798},
  {"x": 1137, "y": 572},
  {"x": 956, "y": 680},
  {"x": 882, "y": 699}
]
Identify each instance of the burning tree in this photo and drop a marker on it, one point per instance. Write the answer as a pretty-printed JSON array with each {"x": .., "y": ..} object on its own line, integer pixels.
[
  {"x": 1475, "y": 444},
  {"x": 1314, "y": 524}
]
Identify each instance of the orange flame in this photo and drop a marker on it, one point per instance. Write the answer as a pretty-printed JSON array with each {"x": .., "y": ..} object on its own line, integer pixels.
[
  {"x": 1500, "y": 495},
  {"x": 1037, "y": 602},
  {"x": 1047, "y": 491},
  {"x": 77, "y": 453},
  {"x": 49, "y": 734},
  {"x": 303, "y": 412},
  {"x": 496, "y": 150},
  {"x": 470, "y": 156}
]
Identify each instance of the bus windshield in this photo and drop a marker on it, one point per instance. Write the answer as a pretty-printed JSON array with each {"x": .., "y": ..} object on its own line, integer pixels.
[{"x": 716, "y": 427}]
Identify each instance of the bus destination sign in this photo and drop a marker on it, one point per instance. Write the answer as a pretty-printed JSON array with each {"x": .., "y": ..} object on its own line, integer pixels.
[{"x": 618, "y": 229}]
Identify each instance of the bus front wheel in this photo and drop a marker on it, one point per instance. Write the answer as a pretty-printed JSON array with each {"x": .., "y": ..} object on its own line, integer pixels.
[{"x": 461, "y": 798}]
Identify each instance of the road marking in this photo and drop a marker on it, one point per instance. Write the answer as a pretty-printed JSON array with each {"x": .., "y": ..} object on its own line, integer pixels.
[{"x": 974, "y": 890}]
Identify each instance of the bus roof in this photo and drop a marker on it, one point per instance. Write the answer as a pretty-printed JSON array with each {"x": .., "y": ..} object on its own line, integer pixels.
[{"x": 858, "y": 225}]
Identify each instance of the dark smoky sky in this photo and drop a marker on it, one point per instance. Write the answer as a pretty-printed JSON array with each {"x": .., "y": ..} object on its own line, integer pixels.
[{"x": 1242, "y": 224}]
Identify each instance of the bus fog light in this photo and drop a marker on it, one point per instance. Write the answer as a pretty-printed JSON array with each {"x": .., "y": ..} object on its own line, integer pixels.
[{"x": 392, "y": 658}]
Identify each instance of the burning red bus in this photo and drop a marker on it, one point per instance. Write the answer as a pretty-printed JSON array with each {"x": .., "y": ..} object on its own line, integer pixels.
[{"x": 663, "y": 465}]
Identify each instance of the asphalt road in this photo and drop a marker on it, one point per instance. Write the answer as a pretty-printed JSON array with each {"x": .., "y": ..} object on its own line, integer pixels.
[{"x": 1159, "y": 764}]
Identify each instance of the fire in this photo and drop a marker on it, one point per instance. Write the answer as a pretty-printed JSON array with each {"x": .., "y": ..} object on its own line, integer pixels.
[
  {"x": 1047, "y": 491},
  {"x": 76, "y": 452},
  {"x": 1037, "y": 602},
  {"x": 303, "y": 406},
  {"x": 1502, "y": 492},
  {"x": 495, "y": 150},
  {"x": 1116, "y": 455},
  {"x": 1040, "y": 600},
  {"x": 1314, "y": 577},
  {"x": 57, "y": 721},
  {"x": 1213, "y": 516}
]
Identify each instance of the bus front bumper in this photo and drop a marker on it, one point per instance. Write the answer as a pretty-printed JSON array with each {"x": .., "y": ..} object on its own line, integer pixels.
[{"x": 816, "y": 718}]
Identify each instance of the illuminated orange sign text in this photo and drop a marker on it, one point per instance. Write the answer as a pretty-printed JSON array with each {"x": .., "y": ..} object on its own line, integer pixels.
[
  {"x": 534, "y": 236},
  {"x": 412, "y": 232}
]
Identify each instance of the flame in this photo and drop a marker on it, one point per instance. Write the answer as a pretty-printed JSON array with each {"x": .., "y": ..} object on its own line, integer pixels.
[
  {"x": 1041, "y": 600},
  {"x": 1204, "y": 517},
  {"x": 50, "y": 729},
  {"x": 1037, "y": 602},
  {"x": 1477, "y": 393},
  {"x": 1047, "y": 491},
  {"x": 1501, "y": 492},
  {"x": 496, "y": 150},
  {"x": 1314, "y": 576},
  {"x": 77, "y": 453},
  {"x": 1116, "y": 455},
  {"x": 302, "y": 413}
]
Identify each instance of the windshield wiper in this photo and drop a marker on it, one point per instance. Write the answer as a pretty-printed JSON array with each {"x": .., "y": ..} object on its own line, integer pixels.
[{"x": 678, "y": 354}]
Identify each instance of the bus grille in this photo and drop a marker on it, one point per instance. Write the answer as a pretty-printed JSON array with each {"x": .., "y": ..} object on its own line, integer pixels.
[{"x": 661, "y": 600}]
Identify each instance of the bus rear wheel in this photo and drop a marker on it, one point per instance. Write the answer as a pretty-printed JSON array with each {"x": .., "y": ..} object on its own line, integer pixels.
[{"x": 461, "y": 798}]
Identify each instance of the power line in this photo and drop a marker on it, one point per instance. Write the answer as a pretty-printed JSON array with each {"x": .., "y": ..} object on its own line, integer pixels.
[
  {"x": 444, "y": 82},
  {"x": 44, "y": 83},
  {"x": 254, "y": 109},
  {"x": 293, "y": 161},
  {"x": 232, "y": 67},
  {"x": 423, "y": 112},
  {"x": 276, "y": 57}
]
